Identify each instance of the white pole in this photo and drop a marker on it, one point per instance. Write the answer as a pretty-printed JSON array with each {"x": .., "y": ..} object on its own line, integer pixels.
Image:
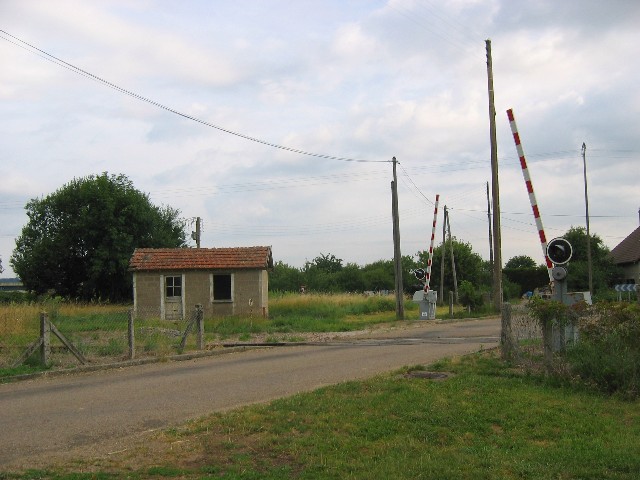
[{"x": 532, "y": 195}]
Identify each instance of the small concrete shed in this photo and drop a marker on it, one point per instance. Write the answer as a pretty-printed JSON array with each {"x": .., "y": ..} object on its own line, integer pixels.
[{"x": 169, "y": 282}]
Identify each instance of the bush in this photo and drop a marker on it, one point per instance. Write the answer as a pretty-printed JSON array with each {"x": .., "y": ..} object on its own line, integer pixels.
[
  {"x": 608, "y": 354},
  {"x": 510, "y": 290},
  {"x": 470, "y": 296},
  {"x": 16, "y": 297}
]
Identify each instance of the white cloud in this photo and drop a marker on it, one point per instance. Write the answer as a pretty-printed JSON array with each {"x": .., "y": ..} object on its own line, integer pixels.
[{"x": 364, "y": 81}]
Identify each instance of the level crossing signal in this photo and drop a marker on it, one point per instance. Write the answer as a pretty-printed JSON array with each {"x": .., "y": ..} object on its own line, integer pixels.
[{"x": 559, "y": 251}]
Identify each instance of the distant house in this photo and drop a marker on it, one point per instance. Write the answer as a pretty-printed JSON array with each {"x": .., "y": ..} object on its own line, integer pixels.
[
  {"x": 169, "y": 282},
  {"x": 11, "y": 285},
  {"x": 627, "y": 255}
]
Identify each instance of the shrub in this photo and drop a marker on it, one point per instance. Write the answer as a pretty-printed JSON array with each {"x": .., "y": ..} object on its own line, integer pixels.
[
  {"x": 608, "y": 355},
  {"x": 469, "y": 295}
]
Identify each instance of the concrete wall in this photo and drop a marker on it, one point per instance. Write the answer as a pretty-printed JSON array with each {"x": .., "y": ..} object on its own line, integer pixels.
[
  {"x": 146, "y": 294},
  {"x": 249, "y": 290}
]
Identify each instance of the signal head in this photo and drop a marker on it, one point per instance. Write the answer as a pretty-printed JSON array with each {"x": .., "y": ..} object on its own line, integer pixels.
[{"x": 559, "y": 251}]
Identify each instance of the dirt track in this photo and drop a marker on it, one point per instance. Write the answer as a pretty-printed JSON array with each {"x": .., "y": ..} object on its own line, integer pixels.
[{"x": 99, "y": 414}]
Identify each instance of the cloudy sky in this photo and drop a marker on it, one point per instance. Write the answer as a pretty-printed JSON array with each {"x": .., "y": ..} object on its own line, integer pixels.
[{"x": 341, "y": 87}]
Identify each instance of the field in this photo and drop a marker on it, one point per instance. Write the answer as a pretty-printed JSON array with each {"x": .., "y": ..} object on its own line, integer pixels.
[{"x": 100, "y": 331}]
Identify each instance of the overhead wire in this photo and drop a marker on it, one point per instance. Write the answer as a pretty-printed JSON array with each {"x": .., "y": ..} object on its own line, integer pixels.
[
  {"x": 413, "y": 187},
  {"x": 436, "y": 28},
  {"x": 406, "y": 178},
  {"x": 57, "y": 61},
  {"x": 274, "y": 184}
]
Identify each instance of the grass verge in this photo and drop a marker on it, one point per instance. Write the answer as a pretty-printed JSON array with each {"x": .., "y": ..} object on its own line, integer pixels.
[{"x": 485, "y": 421}]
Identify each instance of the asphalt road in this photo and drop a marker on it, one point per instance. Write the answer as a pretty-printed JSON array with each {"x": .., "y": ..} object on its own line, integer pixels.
[{"x": 89, "y": 415}]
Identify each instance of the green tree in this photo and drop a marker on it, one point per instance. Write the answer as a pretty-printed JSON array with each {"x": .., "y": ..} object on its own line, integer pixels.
[
  {"x": 524, "y": 276},
  {"x": 521, "y": 261},
  {"x": 320, "y": 274},
  {"x": 328, "y": 263},
  {"x": 469, "y": 265},
  {"x": 605, "y": 272},
  {"x": 285, "y": 278},
  {"x": 379, "y": 275},
  {"x": 350, "y": 278},
  {"x": 470, "y": 296},
  {"x": 79, "y": 239}
]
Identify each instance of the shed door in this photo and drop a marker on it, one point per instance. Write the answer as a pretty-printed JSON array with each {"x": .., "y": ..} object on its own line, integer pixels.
[{"x": 173, "y": 297}]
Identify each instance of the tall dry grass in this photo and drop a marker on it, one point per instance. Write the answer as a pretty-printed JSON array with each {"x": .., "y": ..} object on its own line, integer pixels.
[
  {"x": 24, "y": 318},
  {"x": 18, "y": 319}
]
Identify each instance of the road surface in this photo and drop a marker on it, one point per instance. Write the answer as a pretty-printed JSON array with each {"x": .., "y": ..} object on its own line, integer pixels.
[{"x": 88, "y": 415}]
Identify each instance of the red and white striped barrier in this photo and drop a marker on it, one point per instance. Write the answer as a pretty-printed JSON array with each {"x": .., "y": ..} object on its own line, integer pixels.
[
  {"x": 532, "y": 195},
  {"x": 433, "y": 236}
]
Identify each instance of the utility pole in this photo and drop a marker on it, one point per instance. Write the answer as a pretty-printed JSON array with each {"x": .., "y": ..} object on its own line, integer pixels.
[
  {"x": 397, "y": 257},
  {"x": 495, "y": 189},
  {"x": 196, "y": 235},
  {"x": 444, "y": 236},
  {"x": 586, "y": 203},
  {"x": 490, "y": 231},
  {"x": 453, "y": 259}
]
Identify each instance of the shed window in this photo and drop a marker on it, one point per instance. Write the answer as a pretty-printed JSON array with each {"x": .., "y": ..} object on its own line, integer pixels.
[
  {"x": 222, "y": 287},
  {"x": 173, "y": 286}
]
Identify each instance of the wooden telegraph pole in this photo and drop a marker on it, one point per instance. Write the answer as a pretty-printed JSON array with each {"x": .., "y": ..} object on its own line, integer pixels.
[
  {"x": 397, "y": 257},
  {"x": 444, "y": 236},
  {"x": 453, "y": 259},
  {"x": 490, "y": 231},
  {"x": 198, "y": 232},
  {"x": 586, "y": 206},
  {"x": 495, "y": 190}
]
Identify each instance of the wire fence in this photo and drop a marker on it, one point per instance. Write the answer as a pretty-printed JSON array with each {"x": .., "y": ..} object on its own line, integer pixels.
[
  {"x": 61, "y": 336},
  {"x": 524, "y": 328}
]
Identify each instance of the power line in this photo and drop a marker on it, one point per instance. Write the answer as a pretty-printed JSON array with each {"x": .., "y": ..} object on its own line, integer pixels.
[
  {"x": 47, "y": 56},
  {"x": 415, "y": 187}
]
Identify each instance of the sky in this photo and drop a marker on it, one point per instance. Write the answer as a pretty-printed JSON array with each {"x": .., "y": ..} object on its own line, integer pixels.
[{"x": 276, "y": 122}]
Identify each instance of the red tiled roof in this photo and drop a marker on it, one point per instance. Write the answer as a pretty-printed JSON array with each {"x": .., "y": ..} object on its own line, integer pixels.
[
  {"x": 147, "y": 259},
  {"x": 628, "y": 251}
]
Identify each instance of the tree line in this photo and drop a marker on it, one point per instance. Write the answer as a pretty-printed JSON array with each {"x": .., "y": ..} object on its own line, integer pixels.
[{"x": 79, "y": 239}]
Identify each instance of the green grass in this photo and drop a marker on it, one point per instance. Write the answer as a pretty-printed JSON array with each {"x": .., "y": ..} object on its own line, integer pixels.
[
  {"x": 291, "y": 313},
  {"x": 100, "y": 331},
  {"x": 486, "y": 421}
]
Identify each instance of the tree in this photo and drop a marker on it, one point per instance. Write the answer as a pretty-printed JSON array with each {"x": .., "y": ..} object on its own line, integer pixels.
[
  {"x": 285, "y": 278},
  {"x": 321, "y": 273},
  {"x": 469, "y": 265},
  {"x": 521, "y": 261},
  {"x": 350, "y": 278},
  {"x": 605, "y": 272},
  {"x": 470, "y": 296},
  {"x": 326, "y": 263},
  {"x": 521, "y": 271},
  {"x": 79, "y": 239},
  {"x": 379, "y": 275}
]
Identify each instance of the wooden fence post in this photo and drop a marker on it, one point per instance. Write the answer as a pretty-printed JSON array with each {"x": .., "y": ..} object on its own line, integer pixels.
[
  {"x": 132, "y": 339},
  {"x": 45, "y": 335},
  {"x": 200, "y": 320},
  {"x": 450, "y": 303},
  {"x": 507, "y": 345}
]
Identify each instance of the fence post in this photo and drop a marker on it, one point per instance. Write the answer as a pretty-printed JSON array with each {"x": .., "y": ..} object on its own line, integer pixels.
[
  {"x": 507, "y": 346},
  {"x": 450, "y": 303},
  {"x": 45, "y": 335},
  {"x": 200, "y": 320},
  {"x": 132, "y": 338}
]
